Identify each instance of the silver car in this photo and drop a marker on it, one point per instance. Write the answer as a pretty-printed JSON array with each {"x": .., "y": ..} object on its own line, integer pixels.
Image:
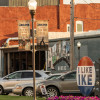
[
  {"x": 8, "y": 82},
  {"x": 65, "y": 84},
  {"x": 26, "y": 89}
]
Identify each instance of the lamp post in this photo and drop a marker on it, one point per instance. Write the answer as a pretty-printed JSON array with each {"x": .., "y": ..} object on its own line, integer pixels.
[
  {"x": 78, "y": 45},
  {"x": 72, "y": 36},
  {"x": 32, "y": 4}
]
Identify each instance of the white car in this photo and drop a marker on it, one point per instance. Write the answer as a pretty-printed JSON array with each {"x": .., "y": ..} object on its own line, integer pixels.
[{"x": 8, "y": 82}]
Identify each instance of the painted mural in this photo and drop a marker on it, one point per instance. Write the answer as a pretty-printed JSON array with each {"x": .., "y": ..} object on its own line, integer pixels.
[{"x": 58, "y": 57}]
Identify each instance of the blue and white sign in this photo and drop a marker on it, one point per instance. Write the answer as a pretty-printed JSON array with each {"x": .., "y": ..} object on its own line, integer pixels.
[{"x": 85, "y": 75}]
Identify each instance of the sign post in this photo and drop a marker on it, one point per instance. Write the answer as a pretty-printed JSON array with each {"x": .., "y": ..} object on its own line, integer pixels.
[
  {"x": 97, "y": 83},
  {"x": 85, "y": 75}
]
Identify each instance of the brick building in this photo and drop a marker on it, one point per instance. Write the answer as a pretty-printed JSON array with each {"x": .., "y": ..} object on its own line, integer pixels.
[{"x": 87, "y": 17}]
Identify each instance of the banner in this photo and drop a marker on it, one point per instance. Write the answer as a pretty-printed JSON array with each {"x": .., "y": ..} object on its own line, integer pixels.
[
  {"x": 42, "y": 35},
  {"x": 24, "y": 34}
]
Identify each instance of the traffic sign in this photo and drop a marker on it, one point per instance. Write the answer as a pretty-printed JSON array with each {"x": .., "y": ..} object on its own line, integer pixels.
[
  {"x": 85, "y": 75},
  {"x": 43, "y": 89}
]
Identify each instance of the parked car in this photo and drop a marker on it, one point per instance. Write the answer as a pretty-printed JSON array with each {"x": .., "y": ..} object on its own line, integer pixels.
[
  {"x": 47, "y": 72},
  {"x": 54, "y": 76},
  {"x": 26, "y": 89},
  {"x": 8, "y": 82},
  {"x": 65, "y": 84}
]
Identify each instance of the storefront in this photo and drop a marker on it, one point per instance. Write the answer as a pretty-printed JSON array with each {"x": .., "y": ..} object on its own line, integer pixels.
[
  {"x": 56, "y": 59},
  {"x": 14, "y": 60}
]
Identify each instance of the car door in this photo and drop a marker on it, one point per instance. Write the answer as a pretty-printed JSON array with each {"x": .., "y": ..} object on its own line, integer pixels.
[
  {"x": 11, "y": 80},
  {"x": 27, "y": 77},
  {"x": 69, "y": 83}
]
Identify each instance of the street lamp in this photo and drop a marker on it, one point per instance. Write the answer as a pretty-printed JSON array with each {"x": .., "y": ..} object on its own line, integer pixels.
[
  {"x": 32, "y": 5},
  {"x": 78, "y": 45}
]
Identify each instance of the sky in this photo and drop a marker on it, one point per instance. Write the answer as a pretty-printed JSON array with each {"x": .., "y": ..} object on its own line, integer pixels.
[{"x": 81, "y": 1}]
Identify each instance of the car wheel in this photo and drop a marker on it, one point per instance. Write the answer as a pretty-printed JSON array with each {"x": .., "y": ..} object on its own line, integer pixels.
[
  {"x": 28, "y": 92},
  {"x": 52, "y": 91},
  {"x": 5, "y": 93},
  {"x": 1, "y": 90}
]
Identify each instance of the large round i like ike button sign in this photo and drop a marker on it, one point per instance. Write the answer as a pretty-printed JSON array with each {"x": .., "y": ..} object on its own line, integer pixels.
[{"x": 85, "y": 75}]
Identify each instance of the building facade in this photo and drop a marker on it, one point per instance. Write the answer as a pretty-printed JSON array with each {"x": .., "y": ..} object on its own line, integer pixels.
[{"x": 58, "y": 15}]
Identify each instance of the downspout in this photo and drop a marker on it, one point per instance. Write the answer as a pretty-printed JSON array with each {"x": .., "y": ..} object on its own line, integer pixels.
[
  {"x": 58, "y": 16},
  {"x": 59, "y": 13},
  {"x": 7, "y": 41},
  {"x": 15, "y": 38},
  {"x": 0, "y": 63}
]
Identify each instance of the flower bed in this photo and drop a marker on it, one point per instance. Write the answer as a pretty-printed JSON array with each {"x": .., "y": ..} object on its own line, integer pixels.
[{"x": 73, "y": 98}]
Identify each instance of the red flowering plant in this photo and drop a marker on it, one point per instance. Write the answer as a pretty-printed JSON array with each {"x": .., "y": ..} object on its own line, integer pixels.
[{"x": 73, "y": 98}]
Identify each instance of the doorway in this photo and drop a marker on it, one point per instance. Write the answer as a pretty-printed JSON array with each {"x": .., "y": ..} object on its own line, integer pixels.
[{"x": 40, "y": 60}]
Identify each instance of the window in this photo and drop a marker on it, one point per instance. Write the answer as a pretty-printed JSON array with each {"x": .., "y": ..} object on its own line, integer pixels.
[
  {"x": 79, "y": 26},
  {"x": 27, "y": 75},
  {"x": 68, "y": 27},
  {"x": 37, "y": 74},
  {"x": 16, "y": 75},
  {"x": 30, "y": 75},
  {"x": 34, "y": 31}
]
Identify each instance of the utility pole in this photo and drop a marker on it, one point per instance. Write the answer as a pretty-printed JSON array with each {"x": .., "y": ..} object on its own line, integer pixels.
[{"x": 72, "y": 36}]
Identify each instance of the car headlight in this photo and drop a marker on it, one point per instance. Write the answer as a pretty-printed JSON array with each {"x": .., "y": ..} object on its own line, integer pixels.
[{"x": 18, "y": 87}]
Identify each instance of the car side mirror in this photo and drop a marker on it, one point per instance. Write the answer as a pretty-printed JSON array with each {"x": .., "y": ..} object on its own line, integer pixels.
[{"x": 62, "y": 78}]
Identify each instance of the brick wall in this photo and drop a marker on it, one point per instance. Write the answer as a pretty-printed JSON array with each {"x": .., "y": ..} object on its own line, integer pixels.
[{"x": 57, "y": 16}]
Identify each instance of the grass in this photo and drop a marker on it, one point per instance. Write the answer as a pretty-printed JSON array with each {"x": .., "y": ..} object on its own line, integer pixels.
[{"x": 6, "y": 97}]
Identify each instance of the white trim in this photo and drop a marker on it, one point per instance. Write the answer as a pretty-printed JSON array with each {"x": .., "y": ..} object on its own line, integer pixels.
[{"x": 81, "y": 1}]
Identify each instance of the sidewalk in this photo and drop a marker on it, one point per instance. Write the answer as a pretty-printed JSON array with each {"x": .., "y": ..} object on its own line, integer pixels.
[{"x": 12, "y": 94}]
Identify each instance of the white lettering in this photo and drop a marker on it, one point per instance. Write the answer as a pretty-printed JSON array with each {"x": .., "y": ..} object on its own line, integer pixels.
[{"x": 62, "y": 68}]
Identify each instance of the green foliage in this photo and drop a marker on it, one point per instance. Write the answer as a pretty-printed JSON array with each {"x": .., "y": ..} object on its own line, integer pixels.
[{"x": 6, "y": 97}]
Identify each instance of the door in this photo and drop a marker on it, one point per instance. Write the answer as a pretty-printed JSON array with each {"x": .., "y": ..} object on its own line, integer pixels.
[
  {"x": 11, "y": 80},
  {"x": 69, "y": 83}
]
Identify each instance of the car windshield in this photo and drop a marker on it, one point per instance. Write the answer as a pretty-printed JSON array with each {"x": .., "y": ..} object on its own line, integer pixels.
[
  {"x": 16, "y": 75},
  {"x": 53, "y": 77},
  {"x": 68, "y": 75}
]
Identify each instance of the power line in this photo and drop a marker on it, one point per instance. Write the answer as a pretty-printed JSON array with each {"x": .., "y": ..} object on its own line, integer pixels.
[
  {"x": 86, "y": 18},
  {"x": 91, "y": 5},
  {"x": 60, "y": 24},
  {"x": 91, "y": 1},
  {"x": 90, "y": 22}
]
